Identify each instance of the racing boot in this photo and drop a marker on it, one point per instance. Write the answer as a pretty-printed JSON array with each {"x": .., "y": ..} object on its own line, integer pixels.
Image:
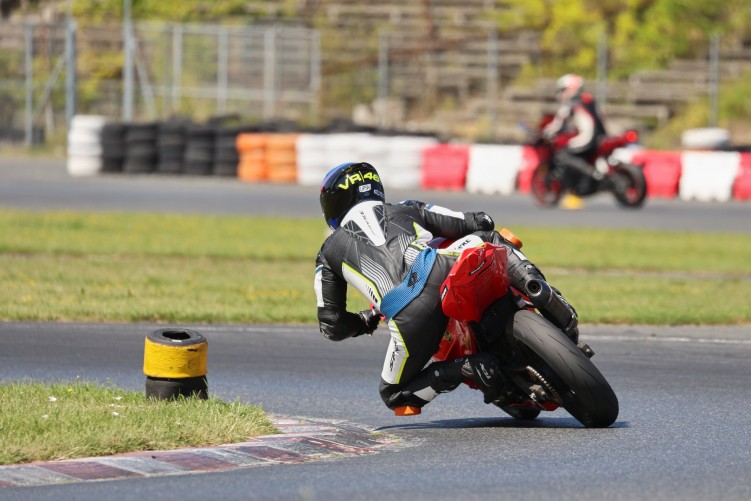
[
  {"x": 410, "y": 398},
  {"x": 481, "y": 369},
  {"x": 443, "y": 377}
]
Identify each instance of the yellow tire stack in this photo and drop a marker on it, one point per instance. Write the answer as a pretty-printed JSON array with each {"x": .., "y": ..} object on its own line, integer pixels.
[{"x": 174, "y": 363}]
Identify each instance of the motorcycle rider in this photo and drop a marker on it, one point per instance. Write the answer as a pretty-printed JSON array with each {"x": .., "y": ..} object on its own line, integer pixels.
[
  {"x": 382, "y": 250},
  {"x": 578, "y": 110}
]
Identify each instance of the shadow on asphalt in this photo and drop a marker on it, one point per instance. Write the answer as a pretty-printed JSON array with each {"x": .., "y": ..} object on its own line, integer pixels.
[{"x": 470, "y": 423}]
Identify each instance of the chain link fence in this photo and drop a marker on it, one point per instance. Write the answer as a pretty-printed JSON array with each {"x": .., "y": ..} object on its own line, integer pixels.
[
  {"x": 151, "y": 71},
  {"x": 482, "y": 84}
]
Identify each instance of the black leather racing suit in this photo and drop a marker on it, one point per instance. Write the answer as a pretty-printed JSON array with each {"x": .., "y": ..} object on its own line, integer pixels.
[
  {"x": 375, "y": 250},
  {"x": 580, "y": 113}
]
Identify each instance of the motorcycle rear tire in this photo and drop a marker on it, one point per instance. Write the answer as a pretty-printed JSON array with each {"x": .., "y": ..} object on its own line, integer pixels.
[
  {"x": 630, "y": 186},
  {"x": 583, "y": 390}
]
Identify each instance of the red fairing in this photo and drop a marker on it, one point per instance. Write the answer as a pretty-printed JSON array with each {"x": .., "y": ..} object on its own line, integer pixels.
[
  {"x": 458, "y": 341},
  {"x": 610, "y": 144},
  {"x": 478, "y": 278},
  {"x": 561, "y": 140}
]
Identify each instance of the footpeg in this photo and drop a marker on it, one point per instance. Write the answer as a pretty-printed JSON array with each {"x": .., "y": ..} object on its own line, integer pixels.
[
  {"x": 407, "y": 410},
  {"x": 585, "y": 349}
]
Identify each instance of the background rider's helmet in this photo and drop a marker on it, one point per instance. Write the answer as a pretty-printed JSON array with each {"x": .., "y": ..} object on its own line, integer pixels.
[
  {"x": 346, "y": 186},
  {"x": 568, "y": 87}
]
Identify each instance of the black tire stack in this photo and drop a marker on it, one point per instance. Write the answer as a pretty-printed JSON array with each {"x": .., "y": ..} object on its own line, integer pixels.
[
  {"x": 226, "y": 156},
  {"x": 113, "y": 147},
  {"x": 199, "y": 150},
  {"x": 141, "y": 152},
  {"x": 171, "y": 145}
]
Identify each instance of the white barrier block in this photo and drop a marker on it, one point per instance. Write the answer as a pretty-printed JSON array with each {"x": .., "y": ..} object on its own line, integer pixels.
[
  {"x": 705, "y": 138},
  {"x": 88, "y": 122},
  {"x": 85, "y": 145},
  {"x": 85, "y": 165},
  {"x": 312, "y": 159},
  {"x": 708, "y": 175},
  {"x": 344, "y": 147},
  {"x": 493, "y": 168},
  {"x": 403, "y": 163}
]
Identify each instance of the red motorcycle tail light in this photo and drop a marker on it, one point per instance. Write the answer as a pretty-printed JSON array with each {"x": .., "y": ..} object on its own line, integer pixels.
[{"x": 632, "y": 136}]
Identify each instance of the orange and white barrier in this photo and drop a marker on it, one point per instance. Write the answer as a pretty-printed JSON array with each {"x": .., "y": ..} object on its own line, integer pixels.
[
  {"x": 412, "y": 162},
  {"x": 281, "y": 158},
  {"x": 403, "y": 163},
  {"x": 708, "y": 175},
  {"x": 493, "y": 168}
]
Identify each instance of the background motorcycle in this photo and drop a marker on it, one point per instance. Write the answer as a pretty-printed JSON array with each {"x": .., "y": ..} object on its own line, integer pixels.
[
  {"x": 625, "y": 180},
  {"x": 544, "y": 368}
]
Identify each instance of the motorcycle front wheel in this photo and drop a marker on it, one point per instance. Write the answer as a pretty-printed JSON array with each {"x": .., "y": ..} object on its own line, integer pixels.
[
  {"x": 547, "y": 186},
  {"x": 571, "y": 377},
  {"x": 629, "y": 185}
]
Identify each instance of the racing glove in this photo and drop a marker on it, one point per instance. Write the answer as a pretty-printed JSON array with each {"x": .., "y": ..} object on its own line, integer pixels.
[
  {"x": 482, "y": 221},
  {"x": 370, "y": 319}
]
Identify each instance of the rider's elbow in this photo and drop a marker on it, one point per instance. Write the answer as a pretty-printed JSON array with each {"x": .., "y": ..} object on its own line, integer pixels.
[{"x": 331, "y": 333}]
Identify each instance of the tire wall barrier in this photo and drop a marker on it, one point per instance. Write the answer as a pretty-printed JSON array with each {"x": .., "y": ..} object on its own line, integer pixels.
[
  {"x": 171, "y": 140},
  {"x": 404, "y": 162},
  {"x": 85, "y": 145},
  {"x": 141, "y": 152},
  {"x": 174, "y": 362},
  {"x": 313, "y": 161},
  {"x": 281, "y": 158},
  {"x": 252, "y": 157}
]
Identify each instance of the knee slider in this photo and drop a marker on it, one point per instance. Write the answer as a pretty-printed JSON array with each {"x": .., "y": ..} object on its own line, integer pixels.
[{"x": 395, "y": 395}]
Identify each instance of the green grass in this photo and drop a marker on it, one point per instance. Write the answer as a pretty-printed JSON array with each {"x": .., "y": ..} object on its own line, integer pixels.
[
  {"x": 40, "y": 422},
  {"x": 218, "y": 269}
]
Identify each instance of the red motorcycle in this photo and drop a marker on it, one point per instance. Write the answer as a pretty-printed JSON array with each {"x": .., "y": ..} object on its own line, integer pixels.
[
  {"x": 543, "y": 367},
  {"x": 624, "y": 180}
]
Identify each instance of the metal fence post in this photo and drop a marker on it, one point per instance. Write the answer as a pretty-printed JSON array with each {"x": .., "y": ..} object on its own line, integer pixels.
[
  {"x": 602, "y": 70},
  {"x": 269, "y": 72},
  {"x": 128, "y": 68},
  {"x": 493, "y": 74},
  {"x": 383, "y": 77},
  {"x": 315, "y": 73},
  {"x": 177, "y": 69},
  {"x": 71, "y": 98},
  {"x": 29, "y": 71},
  {"x": 714, "y": 78},
  {"x": 383, "y": 66},
  {"x": 222, "y": 68}
]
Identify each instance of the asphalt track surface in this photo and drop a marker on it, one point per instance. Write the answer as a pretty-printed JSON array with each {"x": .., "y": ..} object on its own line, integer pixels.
[
  {"x": 42, "y": 184},
  {"x": 684, "y": 430}
]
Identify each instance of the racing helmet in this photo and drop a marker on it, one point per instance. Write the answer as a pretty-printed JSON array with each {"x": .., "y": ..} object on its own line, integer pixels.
[
  {"x": 568, "y": 87},
  {"x": 347, "y": 185}
]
